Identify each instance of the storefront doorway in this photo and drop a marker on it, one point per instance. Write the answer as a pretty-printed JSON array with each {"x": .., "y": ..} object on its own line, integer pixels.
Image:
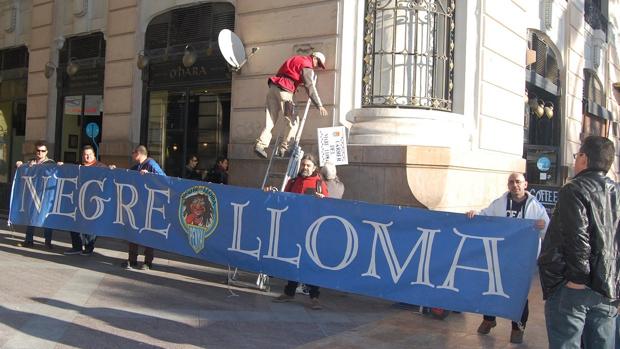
[
  {"x": 188, "y": 122},
  {"x": 80, "y": 96},
  {"x": 13, "y": 91},
  {"x": 186, "y": 105}
]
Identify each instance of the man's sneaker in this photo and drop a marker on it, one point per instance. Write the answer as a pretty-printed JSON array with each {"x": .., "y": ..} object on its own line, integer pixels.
[
  {"x": 146, "y": 266},
  {"x": 26, "y": 244},
  {"x": 49, "y": 246},
  {"x": 260, "y": 151},
  {"x": 87, "y": 253},
  {"x": 283, "y": 298},
  {"x": 302, "y": 289},
  {"x": 128, "y": 265},
  {"x": 486, "y": 326},
  {"x": 315, "y": 304},
  {"x": 72, "y": 251},
  {"x": 516, "y": 336}
]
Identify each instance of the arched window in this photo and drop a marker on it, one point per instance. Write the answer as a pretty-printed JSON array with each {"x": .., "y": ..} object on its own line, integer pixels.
[
  {"x": 408, "y": 54},
  {"x": 596, "y": 117}
]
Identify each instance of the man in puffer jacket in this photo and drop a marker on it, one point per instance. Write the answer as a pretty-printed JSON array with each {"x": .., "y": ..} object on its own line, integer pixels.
[
  {"x": 517, "y": 202},
  {"x": 579, "y": 260}
]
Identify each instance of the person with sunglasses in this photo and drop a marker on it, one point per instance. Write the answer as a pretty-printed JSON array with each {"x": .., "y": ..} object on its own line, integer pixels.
[{"x": 40, "y": 158}]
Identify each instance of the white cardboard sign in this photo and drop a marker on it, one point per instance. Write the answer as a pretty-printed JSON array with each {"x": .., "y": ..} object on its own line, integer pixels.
[{"x": 332, "y": 145}]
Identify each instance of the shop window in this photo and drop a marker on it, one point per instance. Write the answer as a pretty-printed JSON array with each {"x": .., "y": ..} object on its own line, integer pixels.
[
  {"x": 542, "y": 119},
  {"x": 408, "y": 54}
]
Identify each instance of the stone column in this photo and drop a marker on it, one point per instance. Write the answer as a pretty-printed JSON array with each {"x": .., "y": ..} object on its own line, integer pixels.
[{"x": 121, "y": 116}]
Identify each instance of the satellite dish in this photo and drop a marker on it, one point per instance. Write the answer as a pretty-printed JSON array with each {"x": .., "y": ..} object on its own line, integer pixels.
[{"x": 232, "y": 49}]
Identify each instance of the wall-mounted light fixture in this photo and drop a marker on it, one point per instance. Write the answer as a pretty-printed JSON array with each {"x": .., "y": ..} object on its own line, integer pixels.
[
  {"x": 50, "y": 68},
  {"x": 72, "y": 67},
  {"x": 189, "y": 57},
  {"x": 143, "y": 60}
]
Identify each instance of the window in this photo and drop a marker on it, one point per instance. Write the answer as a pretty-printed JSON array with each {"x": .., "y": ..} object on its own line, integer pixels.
[
  {"x": 408, "y": 54},
  {"x": 595, "y": 116},
  {"x": 596, "y": 14}
]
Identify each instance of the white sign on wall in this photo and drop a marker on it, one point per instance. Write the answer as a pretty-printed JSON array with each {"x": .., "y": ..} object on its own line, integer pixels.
[{"x": 332, "y": 145}]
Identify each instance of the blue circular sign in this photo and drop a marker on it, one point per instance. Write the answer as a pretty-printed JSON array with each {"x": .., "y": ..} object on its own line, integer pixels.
[
  {"x": 543, "y": 164},
  {"x": 92, "y": 130}
]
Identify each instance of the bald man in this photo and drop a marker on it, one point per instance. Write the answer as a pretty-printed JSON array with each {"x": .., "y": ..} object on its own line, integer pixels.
[{"x": 517, "y": 202}]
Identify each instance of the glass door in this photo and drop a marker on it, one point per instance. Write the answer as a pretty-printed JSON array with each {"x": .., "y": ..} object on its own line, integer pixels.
[
  {"x": 187, "y": 123},
  {"x": 79, "y": 111}
]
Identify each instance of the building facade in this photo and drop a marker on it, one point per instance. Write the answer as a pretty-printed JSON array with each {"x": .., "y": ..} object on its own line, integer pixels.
[{"x": 441, "y": 98}]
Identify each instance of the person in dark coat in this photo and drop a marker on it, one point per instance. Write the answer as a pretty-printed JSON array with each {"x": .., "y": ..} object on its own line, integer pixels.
[{"x": 579, "y": 262}]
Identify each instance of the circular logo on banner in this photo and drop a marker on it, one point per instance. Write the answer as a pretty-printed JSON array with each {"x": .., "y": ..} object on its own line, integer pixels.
[
  {"x": 543, "y": 164},
  {"x": 198, "y": 215},
  {"x": 92, "y": 130}
]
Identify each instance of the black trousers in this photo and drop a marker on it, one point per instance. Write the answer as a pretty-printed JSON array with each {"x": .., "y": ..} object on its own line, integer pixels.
[
  {"x": 133, "y": 254},
  {"x": 524, "y": 316}
]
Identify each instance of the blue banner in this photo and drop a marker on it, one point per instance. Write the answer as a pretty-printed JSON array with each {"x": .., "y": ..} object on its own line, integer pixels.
[{"x": 439, "y": 259}]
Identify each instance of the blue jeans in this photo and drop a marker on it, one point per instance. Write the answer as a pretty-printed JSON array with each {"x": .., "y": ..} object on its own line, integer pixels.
[
  {"x": 47, "y": 233},
  {"x": 573, "y": 316}
]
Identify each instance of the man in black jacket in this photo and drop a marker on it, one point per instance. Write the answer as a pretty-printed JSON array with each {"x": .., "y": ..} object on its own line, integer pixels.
[{"x": 579, "y": 259}]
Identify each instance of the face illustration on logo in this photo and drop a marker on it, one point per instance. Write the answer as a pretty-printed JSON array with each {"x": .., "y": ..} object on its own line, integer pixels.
[
  {"x": 197, "y": 210},
  {"x": 198, "y": 215}
]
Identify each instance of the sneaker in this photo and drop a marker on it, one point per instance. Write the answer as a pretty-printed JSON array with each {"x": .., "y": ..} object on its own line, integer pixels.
[
  {"x": 486, "y": 326},
  {"x": 87, "y": 253},
  {"x": 283, "y": 298},
  {"x": 146, "y": 266},
  {"x": 315, "y": 304},
  {"x": 302, "y": 289},
  {"x": 128, "y": 265},
  {"x": 26, "y": 244},
  {"x": 260, "y": 151},
  {"x": 72, "y": 251},
  {"x": 49, "y": 246},
  {"x": 516, "y": 336}
]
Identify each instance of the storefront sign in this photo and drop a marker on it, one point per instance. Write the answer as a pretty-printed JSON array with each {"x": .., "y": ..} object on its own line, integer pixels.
[
  {"x": 437, "y": 259},
  {"x": 548, "y": 196}
]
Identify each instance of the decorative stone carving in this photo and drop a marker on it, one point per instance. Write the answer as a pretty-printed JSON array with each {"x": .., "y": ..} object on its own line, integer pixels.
[
  {"x": 80, "y": 8},
  {"x": 9, "y": 18}
]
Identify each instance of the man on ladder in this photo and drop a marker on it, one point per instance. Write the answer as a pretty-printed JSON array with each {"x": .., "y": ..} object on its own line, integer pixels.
[{"x": 295, "y": 71}]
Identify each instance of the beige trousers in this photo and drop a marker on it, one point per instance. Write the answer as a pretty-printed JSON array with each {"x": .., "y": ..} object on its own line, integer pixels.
[{"x": 274, "y": 108}]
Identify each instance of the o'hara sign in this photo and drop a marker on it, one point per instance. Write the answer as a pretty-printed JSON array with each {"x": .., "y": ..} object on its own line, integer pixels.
[{"x": 402, "y": 254}]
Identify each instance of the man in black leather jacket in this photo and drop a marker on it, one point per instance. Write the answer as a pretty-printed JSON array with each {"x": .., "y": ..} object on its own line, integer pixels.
[{"x": 579, "y": 260}]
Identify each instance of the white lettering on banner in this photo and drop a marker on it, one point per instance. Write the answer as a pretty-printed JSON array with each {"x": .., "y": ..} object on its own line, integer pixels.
[
  {"x": 33, "y": 192},
  {"x": 60, "y": 186},
  {"x": 425, "y": 242},
  {"x": 352, "y": 242},
  {"x": 98, "y": 200},
  {"x": 493, "y": 270},
  {"x": 121, "y": 206},
  {"x": 274, "y": 239},
  {"x": 150, "y": 202},
  {"x": 237, "y": 225}
]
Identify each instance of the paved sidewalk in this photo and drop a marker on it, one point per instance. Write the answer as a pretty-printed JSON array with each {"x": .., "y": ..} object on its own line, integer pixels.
[{"x": 49, "y": 300}]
